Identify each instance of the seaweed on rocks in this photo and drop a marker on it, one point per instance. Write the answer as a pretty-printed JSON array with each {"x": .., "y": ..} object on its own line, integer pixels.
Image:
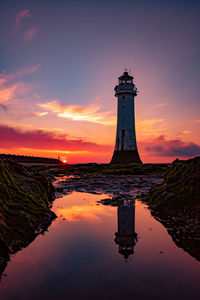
[
  {"x": 25, "y": 197},
  {"x": 176, "y": 203}
]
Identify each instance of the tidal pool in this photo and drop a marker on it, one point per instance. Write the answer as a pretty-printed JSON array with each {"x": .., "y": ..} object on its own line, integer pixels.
[{"x": 93, "y": 251}]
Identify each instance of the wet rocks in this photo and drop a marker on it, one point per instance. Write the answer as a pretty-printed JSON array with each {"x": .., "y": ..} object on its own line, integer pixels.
[
  {"x": 24, "y": 206},
  {"x": 176, "y": 203},
  {"x": 132, "y": 185},
  {"x": 114, "y": 201}
]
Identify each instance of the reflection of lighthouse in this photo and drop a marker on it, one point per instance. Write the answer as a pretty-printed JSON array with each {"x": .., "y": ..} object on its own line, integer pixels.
[{"x": 126, "y": 237}]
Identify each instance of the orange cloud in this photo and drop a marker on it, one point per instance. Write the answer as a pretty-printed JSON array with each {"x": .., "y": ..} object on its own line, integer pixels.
[
  {"x": 7, "y": 93},
  {"x": 23, "y": 14},
  {"x": 90, "y": 113},
  {"x": 160, "y": 105},
  {"x": 40, "y": 114},
  {"x": 30, "y": 34},
  {"x": 150, "y": 127}
]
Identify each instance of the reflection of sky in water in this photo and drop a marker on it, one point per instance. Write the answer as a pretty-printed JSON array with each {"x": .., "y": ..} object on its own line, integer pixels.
[
  {"x": 85, "y": 209},
  {"x": 78, "y": 258}
]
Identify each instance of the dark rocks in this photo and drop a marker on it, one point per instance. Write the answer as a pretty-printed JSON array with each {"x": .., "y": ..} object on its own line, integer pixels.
[
  {"x": 114, "y": 201},
  {"x": 132, "y": 185},
  {"x": 176, "y": 203},
  {"x": 180, "y": 188},
  {"x": 118, "y": 169},
  {"x": 24, "y": 207}
]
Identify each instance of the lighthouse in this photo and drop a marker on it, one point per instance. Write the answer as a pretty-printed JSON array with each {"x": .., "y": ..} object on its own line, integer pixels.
[{"x": 125, "y": 146}]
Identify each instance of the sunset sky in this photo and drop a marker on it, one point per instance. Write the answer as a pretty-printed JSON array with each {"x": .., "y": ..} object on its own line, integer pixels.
[{"x": 59, "y": 64}]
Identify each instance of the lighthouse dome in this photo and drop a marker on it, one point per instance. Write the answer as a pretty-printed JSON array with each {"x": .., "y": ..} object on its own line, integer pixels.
[
  {"x": 126, "y": 77},
  {"x": 125, "y": 85}
]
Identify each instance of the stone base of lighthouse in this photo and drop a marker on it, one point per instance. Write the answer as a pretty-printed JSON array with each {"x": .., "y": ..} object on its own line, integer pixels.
[{"x": 126, "y": 157}]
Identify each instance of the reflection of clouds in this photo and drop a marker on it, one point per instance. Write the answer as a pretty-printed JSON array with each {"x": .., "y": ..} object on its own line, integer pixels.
[{"x": 89, "y": 213}]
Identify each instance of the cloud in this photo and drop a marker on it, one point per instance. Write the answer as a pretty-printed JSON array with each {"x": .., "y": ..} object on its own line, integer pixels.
[
  {"x": 11, "y": 87},
  {"x": 170, "y": 148},
  {"x": 160, "y": 105},
  {"x": 11, "y": 92},
  {"x": 186, "y": 131},
  {"x": 183, "y": 133},
  {"x": 30, "y": 34},
  {"x": 21, "y": 15},
  {"x": 11, "y": 138},
  {"x": 44, "y": 142},
  {"x": 26, "y": 71},
  {"x": 40, "y": 114},
  {"x": 4, "y": 77},
  {"x": 91, "y": 113},
  {"x": 150, "y": 127},
  {"x": 149, "y": 123},
  {"x": 32, "y": 31}
]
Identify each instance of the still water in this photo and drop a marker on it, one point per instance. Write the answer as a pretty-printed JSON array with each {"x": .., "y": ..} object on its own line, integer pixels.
[{"x": 101, "y": 252}]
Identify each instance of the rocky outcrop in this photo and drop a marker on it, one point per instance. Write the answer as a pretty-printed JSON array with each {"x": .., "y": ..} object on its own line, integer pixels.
[
  {"x": 176, "y": 203},
  {"x": 24, "y": 207}
]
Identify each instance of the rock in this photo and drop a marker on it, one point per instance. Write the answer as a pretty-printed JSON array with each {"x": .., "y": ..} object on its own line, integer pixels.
[
  {"x": 176, "y": 203},
  {"x": 24, "y": 207}
]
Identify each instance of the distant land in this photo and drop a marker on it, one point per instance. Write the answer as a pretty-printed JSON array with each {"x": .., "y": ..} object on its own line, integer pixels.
[{"x": 30, "y": 159}]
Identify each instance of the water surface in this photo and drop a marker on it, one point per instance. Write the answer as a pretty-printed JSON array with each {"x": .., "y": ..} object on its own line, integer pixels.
[{"x": 101, "y": 252}]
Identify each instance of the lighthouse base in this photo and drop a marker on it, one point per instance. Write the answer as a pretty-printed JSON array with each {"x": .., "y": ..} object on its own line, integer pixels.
[{"x": 126, "y": 157}]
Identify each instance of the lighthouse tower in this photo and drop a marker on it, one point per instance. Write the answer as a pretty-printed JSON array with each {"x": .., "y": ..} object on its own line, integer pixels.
[{"x": 125, "y": 146}]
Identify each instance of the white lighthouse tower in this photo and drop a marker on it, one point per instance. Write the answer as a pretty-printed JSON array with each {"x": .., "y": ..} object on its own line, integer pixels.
[{"x": 125, "y": 146}]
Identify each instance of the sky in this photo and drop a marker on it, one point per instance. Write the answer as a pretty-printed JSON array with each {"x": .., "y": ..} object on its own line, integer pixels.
[{"x": 59, "y": 64}]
